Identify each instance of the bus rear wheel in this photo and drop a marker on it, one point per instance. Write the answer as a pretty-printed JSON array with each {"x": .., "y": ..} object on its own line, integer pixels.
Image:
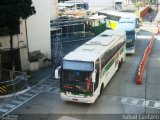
[
  {"x": 121, "y": 61},
  {"x": 119, "y": 65},
  {"x": 102, "y": 86}
]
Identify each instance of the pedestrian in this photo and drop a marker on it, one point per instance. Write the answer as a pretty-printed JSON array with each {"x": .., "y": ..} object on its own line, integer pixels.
[{"x": 150, "y": 20}]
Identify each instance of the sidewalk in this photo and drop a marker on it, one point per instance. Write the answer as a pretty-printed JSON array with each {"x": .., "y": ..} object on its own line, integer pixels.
[
  {"x": 36, "y": 77},
  {"x": 151, "y": 26},
  {"x": 40, "y": 75},
  {"x": 154, "y": 15}
]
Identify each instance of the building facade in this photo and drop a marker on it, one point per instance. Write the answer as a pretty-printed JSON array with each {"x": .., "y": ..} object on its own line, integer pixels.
[
  {"x": 34, "y": 36},
  {"x": 53, "y": 9}
]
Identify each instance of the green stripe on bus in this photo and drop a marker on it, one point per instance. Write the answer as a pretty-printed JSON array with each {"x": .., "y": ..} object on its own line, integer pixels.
[
  {"x": 121, "y": 51},
  {"x": 112, "y": 61},
  {"x": 106, "y": 68}
]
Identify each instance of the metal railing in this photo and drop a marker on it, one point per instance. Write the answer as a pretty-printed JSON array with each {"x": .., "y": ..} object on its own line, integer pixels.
[
  {"x": 12, "y": 86},
  {"x": 74, "y": 36}
]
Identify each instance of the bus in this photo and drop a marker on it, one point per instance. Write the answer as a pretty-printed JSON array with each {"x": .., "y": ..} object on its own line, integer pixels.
[
  {"x": 118, "y": 5},
  {"x": 73, "y": 5},
  {"x": 127, "y": 25},
  {"x": 86, "y": 71},
  {"x": 123, "y": 21}
]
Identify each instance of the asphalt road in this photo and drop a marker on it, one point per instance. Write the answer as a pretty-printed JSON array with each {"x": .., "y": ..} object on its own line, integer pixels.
[{"x": 121, "y": 95}]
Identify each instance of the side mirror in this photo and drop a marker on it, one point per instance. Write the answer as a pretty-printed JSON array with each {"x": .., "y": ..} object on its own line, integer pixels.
[
  {"x": 57, "y": 72},
  {"x": 94, "y": 76}
]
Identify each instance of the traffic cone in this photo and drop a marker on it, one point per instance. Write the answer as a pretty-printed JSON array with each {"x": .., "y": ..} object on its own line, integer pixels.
[{"x": 139, "y": 79}]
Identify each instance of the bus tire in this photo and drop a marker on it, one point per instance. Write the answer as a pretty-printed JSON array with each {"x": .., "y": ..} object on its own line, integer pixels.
[
  {"x": 121, "y": 61},
  {"x": 102, "y": 86},
  {"x": 119, "y": 65}
]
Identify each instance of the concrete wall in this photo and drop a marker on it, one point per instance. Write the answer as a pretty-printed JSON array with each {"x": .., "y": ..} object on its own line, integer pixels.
[
  {"x": 38, "y": 28},
  {"x": 53, "y": 9},
  {"x": 19, "y": 41},
  {"x": 24, "y": 59}
]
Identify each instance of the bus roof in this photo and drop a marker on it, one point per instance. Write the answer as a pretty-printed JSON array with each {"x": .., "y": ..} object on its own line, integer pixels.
[
  {"x": 97, "y": 17},
  {"x": 120, "y": 14},
  {"x": 93, "y": 49}
]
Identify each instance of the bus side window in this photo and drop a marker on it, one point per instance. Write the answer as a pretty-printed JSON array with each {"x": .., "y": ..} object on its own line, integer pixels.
[{"x": 97, "y": 74}]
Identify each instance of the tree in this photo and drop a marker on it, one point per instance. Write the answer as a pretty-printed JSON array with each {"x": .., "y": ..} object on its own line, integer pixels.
[{"x": 11, "y": 13}]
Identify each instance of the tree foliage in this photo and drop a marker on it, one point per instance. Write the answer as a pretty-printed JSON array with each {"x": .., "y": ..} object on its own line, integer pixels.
[{"x": 12, "y": 10}]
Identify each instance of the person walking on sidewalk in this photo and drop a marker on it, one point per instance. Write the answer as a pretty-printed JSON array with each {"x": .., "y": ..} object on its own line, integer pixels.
[{"x": 150, "y": 17}]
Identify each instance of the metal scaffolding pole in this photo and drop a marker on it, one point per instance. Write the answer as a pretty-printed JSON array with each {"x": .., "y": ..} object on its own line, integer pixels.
[{"x": 57, "y": 53}]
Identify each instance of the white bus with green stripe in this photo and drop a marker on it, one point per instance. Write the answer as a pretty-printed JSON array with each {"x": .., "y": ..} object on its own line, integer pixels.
[{"x": 86, "y": 71}]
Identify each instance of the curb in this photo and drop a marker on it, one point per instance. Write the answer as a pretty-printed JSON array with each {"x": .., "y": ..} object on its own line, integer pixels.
[
  {"x": 18, "y": 93},
  {"x": 28, "y": 88},
  {"x": 143, "y": 61}
]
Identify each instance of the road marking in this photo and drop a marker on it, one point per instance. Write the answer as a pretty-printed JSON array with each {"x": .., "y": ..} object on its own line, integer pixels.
[
  {"x": 44, "y": 85},
  {"x": 140, "y": 102},
  {"x": 16, "y": 102},
  {"x": 28, "y": 94},
  {"x": 67, "y": 118},
  {"x": 49, "y": 89},
  {"x": 158, "y": 38},
  {"x": 22, "y": 98},
  {"x": 40, "y": 88},
  {"x": 124, "y": 100},
  {"x": 8, "y": 111},
  {"x": 3, "y": 110},
  {"x": 34, "y": 91},
  {"x": 145, "y": 103},
  {"x": 10, "y": 106},
  {"x": 157, "y": 104},
  {"x": 134, "y": 101},
  {"x": 48, "y": 83},
  {"x": 144, "y": 36}
]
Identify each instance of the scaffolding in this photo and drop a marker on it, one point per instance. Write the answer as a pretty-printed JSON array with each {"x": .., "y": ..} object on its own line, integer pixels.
[
  {"x": 65, "y": 30},
  {"x": 57, "y": 49},
  {"x": 68, "y": 21}
]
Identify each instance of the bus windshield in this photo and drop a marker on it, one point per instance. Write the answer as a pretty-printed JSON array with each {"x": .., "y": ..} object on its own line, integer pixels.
[
  {"x": 118, "y": 5},
  {"x": 130, "y": 44},
  {"x": 76, "y": 81},
  {"x": 76, "y": 76}
]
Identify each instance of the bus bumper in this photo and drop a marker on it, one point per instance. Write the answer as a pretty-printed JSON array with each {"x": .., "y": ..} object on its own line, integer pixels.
[
  {"x": 77, "y": 98},
  {"x": 130, "y": 50}
]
